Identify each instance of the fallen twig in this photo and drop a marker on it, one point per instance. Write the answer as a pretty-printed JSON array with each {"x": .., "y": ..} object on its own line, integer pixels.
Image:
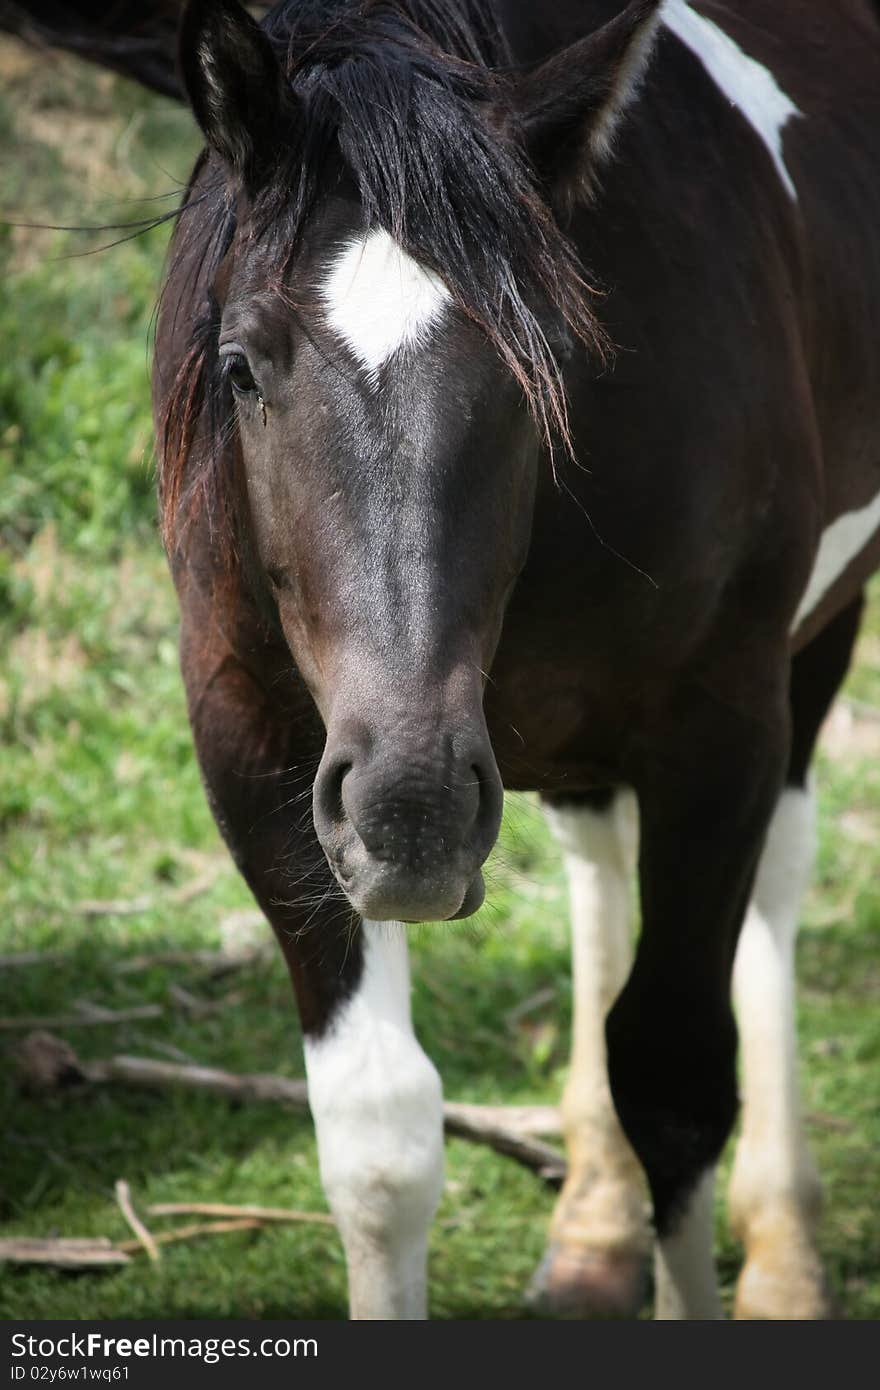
[
  {"x": 144, "y": 1238},
  {"x": 465, "y": 1123},
  {"x": 99, "y": 1016},
  {"x": 30, "y": 958},
  {"x": 64, "y": 1254},
  {"x": 836, "y": 1124},
  {"x": 212, "y": 962},
  {"x": 247, "y": 1213},
  {"x": 526, "y": 1121},
  {"x": 145, "y": 902},
  {"x": 193, "y": 1232},
  {"x": 144, "y": 1071},
  {"x": 535, "y": 1001},
  {"x": 165, "y": 1049},
  {"x": 862, "y": 707},
  {"x": 47, "y": 1063},
  {"x": 202, "y": 1008},
  {"x": 98, "y": 1252}
]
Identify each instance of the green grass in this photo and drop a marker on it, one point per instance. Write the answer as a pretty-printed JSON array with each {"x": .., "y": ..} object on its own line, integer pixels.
[{"x": 100, "y": 798}]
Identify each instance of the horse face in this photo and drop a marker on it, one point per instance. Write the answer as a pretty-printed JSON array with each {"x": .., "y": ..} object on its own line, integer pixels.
[
  {"x": 389, "y": 469},
  {"x": 388, "y": 455}
]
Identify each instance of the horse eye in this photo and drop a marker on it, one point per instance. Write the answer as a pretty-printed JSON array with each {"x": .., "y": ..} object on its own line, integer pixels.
[{"x": 239, "y": 373}]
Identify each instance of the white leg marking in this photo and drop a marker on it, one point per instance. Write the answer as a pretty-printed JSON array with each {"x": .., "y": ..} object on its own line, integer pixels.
[
  {"x": 378, "y": 1110},
  {"x": 379, "y": 300},
  {"x": 600, "y": 1215},
  {"x": 746, "y": 83},
  {"x": 598, "y": 847},
  {"x": 774, "y": 1190},
  {"x": 840, "y": 543},
  {"x": 684, "y": 1264}
]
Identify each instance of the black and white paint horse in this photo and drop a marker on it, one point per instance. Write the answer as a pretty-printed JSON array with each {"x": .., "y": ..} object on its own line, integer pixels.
[{"x": 518, "y": 393}]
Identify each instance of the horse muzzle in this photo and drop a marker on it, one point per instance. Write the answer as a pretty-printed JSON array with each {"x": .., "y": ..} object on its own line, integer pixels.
[{"x": 406, "y": 825}]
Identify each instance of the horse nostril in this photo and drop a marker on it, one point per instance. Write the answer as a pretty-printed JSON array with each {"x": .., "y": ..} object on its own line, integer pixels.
[
  {"x": 475, "y": 794},
  {"x": 329, "y": 804},
  {"x": 489, "y": 802}
]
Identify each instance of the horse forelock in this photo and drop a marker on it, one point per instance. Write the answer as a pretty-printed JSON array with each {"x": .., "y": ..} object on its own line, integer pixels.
[{"x": 413, "y": 96}]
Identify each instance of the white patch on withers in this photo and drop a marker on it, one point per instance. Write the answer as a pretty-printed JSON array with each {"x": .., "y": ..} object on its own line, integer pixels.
[
  {"x": 378, "y": 1110},
  {"x": 746, "y": 83},
  {"x": 379, "y": 300},
  {"x": 840, "y": 543}
]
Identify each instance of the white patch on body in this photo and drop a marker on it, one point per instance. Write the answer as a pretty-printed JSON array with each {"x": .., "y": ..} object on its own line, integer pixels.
[
  {"x": 840, "y": 543},
  {"x": 601, "y": 1209},
  {"x": 774, "y": 1190},
  {"x": 684, "y": 1263},
  {"x": 379, "y": 300},
  {"x": 378, "y": 1109},
  {"x": 746, "y": 83}
]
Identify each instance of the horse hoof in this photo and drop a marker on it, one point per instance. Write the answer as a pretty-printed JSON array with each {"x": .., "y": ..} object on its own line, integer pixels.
[
  {"x": 584, "y": 1283},
  {"x": 768, "y": 1292}
]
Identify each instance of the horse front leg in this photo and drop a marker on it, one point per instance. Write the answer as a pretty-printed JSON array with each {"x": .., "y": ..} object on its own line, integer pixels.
[
  {"x": 378, "y": 1110},
  {"x": 599, "y": 1238},
  {"x": 706, "y": 793},
  {"x": 775, "y": 1194},
  {"x": 375, "y": 1096}
]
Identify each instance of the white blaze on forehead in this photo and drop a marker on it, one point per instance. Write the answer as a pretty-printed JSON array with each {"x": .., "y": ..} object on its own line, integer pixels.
[
  {"x": 840, "y": 543},
  {"x": 379, "y": 300},
  {"x": 746, "y": 83}
]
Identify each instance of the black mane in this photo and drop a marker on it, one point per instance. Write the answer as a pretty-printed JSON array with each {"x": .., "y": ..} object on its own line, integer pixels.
[{"x": 417, "y": 97}]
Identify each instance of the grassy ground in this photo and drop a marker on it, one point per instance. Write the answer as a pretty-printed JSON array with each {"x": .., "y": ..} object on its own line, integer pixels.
[{"x": 100, "y": 798}]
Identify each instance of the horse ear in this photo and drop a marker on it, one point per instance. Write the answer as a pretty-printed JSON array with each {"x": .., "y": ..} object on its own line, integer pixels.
[
  {"x": 570, "y": 106},
  {"x": 235, "y": 85}
]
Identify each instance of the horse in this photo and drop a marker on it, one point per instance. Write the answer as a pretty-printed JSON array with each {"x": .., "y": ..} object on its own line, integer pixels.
[{"x": 517, "y": 391}]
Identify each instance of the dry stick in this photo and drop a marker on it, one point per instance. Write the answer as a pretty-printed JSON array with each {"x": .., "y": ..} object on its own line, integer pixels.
[
  {"x": 145, "y": 1071},
  {"x": 144, "y": 1239},
  {"x": 507, "y": 1129},
  {"x": 532, "y": 1153},
  {"x": 98, "y": 1252},
  {"x": 247, "y": 1213},
  {"x": 82, "y": 1020},
  {"x": 203, "y": 1008},
  {"x": 526, "y": 1121},
  {"x": 74, "y": 1253},
  {"x": 129, "y": 907},
  {"x": 200, "y": 1228},
  {"x": 31, "y": 958},
  {"x": 46, "y": 1062},
  {"x": 215, "y": 962},
  {"x": 530, "y": 1005},
  {"x": 113, "y": 907},
  {"x": 862, "y": 708},
  {"x": 212, "y": 961}
]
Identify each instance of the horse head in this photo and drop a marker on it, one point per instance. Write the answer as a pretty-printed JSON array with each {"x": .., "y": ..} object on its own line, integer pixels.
[{"x": 394, "y": 306}]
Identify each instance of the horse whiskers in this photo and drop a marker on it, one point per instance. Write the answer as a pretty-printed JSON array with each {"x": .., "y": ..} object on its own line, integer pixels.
[{"x": 275, "y": 773}]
